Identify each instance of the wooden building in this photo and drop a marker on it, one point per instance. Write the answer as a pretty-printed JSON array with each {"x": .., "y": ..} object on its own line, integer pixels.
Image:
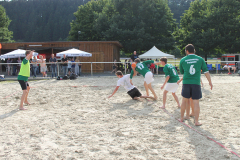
[{"x": 102, "y": 51}]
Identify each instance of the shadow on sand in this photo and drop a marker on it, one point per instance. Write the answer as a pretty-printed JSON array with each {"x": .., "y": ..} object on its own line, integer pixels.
[{"x": 6, "y": 115}]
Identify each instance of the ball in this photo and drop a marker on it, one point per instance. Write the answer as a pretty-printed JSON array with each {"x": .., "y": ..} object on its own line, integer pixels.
[{"x": 134, "y": 65}]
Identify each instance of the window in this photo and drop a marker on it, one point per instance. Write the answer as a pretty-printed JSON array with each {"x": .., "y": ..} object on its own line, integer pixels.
[{"x": 230, "y": 59}]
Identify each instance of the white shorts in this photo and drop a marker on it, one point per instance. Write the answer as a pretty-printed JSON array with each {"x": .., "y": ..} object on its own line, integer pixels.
[
  {"x": 148, "y": 77},
  {"x": 171, "y": 87},
  {"x": 43, "y": 69}
]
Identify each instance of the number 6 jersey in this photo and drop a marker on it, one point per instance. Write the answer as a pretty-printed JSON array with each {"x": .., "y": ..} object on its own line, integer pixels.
[
  {"x": 191, "y": 66},
  {"x": 142, "y": 68}
]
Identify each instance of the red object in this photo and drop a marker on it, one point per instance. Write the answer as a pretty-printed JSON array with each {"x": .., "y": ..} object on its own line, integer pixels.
[
  {"x": 0, "y": 46},
  {"x": 152, "y": 66},
  {"x": 44, "y": 56},
  {"x": 228, "y": 56}
]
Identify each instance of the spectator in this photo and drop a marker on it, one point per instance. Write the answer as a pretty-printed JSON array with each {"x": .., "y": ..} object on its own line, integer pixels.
[
  {"x": 152, "y": 67},
  {"x": 78, "y": 67},
  {"x": 34, "y": 66},
  {"x": 129, "y": 66},
  {"x": 65, "y": 65},
  {"x": 53, "y": 62},
  {"x": 69, "y": 66},
  {"x": 73, "y": 65},
  {"x": 228, "y": 67},
  {"x": 134, "y": 56},
  {"x": 9, "y": 66},
  {"x": 19, "y": 65},
  {"x": 14, "y": 70},
  {"x": 43, "y": 66},
  {"x": 115, "y": 67}
]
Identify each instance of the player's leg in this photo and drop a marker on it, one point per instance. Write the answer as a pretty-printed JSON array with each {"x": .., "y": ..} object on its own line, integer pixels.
[
  {"x": 24, "y": 89},
  {"x": 229, "y": 70},
  {"x": 192, "y": 107},
  {"x": 196, "y": 112},
  {"x": 176, "y": 99},
  {"x": 186, "y": 94},
  {"x": 146, "y": 88},
  {"x": 196, "y": 95},
  {"x": 151, "y": 89},
  {"x": 28, "y": 89},
  {"x": 164, "y": 98},
  {"x": 147, "y": 97}
]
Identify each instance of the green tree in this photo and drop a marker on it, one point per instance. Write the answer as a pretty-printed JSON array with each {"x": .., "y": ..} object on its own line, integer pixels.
[
  {"x": 137, "y": 24},
  {"x": 211, "y": 26},
  {"x": 85, "y": 19},
  {"x": 5, "y": 34}
]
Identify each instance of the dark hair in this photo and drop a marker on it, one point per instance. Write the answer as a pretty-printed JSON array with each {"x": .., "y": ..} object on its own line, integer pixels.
[
  {"x": 137, "y": 60},
  {"x": 27, "y": 52},
  {"x": 190, "y": 48},
  {"x": 119, "y": 73},
  {"x": 164, "y": 59}
]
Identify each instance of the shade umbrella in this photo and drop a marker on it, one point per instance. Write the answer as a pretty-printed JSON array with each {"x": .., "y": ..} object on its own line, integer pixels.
[
  {"x": 74, "y": 53},
  {"x": 17, "y": 53}
]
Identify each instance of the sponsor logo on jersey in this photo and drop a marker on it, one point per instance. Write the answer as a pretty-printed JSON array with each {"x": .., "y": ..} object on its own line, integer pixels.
[{"x": 190, "y": 61}]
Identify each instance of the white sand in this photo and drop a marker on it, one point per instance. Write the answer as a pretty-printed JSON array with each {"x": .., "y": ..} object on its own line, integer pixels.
[{"x": 80, "y": 123}]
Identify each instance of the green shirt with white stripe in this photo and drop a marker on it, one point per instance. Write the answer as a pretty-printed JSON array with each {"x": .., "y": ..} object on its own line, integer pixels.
[{"x": 191, "y": 66}]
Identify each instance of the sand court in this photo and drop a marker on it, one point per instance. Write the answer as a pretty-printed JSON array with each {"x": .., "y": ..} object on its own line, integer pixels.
[{"x": 76, "y": 120}]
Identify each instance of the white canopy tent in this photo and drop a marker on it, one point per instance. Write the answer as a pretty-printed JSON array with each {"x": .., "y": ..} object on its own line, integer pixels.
[
  {"x": 154, "y": 53},
  {"x": 74, "y": 53},
  {"x": 16, "y": 53}
]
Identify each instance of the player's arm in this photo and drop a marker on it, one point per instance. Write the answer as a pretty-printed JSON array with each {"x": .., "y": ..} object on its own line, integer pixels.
[
  {"x": 209, "y": 79},
  {"x": 114, "y": 91},
  {"x": 29, "y": 55},
  {"x": 201, "y": 82},
  {"x": 179, "y": 81},
  {"x": 166, "y": 80}
]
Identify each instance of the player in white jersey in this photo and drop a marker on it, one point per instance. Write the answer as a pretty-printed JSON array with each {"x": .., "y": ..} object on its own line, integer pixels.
[{"x": 124, "y": 80}]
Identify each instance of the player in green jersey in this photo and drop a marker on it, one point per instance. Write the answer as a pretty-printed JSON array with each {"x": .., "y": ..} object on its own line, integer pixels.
[
  {"x": 191, "y": 66},
  {"x": 141, "y": 67},
  {"x": 23, "y": 78},
  {"x": 171, "y": 81}
]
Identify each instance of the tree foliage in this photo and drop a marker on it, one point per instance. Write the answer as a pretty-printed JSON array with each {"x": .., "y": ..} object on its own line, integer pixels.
[
  {"x": 212, "y": 26},
  {"x": 137, "y": 24},
  {"x": 5, "y": 34}
]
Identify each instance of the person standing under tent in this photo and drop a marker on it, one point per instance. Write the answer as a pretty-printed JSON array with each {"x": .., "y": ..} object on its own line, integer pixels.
[
  {"x": 9, "y": 66},
  {"x": 19, "y": 65},
  {"x": 73, "y": 65},
  {"x": 69, "y": 66},
  {"x": 53, "y": 62},
  {"x": 43, "y": 66},
  {"x": 35, "y": 66},
  {"x": 65, "y": 65}
]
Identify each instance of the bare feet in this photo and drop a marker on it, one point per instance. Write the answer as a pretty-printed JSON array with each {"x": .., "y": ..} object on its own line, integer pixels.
[
  {"x": 163, "y": 107},
  {"x": 21, "y": 108},
  {"x": 27, "y": 103},
  {"x": 155, "y": 98},
  {"x": 186, "y": 117},
  {"x": 181, "y": 120},
  {"x": 197, "y": 124},
  {"x": 191, "y": 115}
]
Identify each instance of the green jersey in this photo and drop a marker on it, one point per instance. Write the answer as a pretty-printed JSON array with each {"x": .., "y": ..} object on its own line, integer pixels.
[
  {"x": 142, "y": 68},
  {"x": 24, "y": 70},
  {"x": 171, "y": 71},
  {"x": 191, "y": 66}
]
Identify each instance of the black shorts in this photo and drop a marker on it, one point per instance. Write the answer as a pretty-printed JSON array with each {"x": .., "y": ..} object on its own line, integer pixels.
[
  {"x": 134, "y": 93},
  {"x": 192, "y": 91},
  {"x": 23, "y": 84}
]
